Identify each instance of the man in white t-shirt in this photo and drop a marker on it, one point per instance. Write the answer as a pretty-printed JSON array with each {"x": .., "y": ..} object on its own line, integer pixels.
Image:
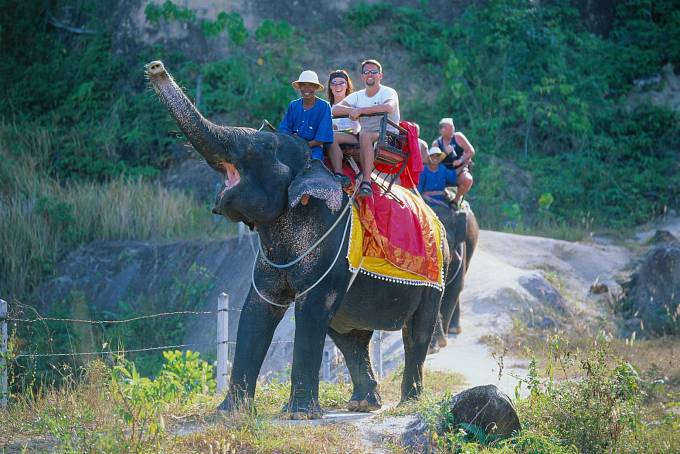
[{"x": 375, "y": 98}]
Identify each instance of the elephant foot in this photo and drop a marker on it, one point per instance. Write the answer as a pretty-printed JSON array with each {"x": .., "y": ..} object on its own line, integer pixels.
[
  {"x": 301, "y": 412},
  {"x": 369, "y": 402},
  {"x": 232, "y": 404},
  {"x": 433, "y": 348},
  {"x": 455, "y": 329}
]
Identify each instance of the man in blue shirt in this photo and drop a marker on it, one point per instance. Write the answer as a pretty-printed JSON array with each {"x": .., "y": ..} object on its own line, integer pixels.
[{"x": 309, "y": 116}]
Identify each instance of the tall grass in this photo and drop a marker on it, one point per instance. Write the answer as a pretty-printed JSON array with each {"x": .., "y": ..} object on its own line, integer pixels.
[{"x": 42, "y": 218}]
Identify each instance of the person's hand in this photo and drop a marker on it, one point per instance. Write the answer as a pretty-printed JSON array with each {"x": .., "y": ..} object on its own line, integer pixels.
[{"x": 354, "y": 114}]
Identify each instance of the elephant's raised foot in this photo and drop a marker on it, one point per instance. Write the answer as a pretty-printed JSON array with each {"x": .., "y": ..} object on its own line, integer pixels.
[
  {"x": 455, "y": 329},
  {"x": 433, "y": 348}
]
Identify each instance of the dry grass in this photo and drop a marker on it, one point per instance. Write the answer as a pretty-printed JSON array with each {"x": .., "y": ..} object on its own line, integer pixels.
[
  {"x": 40, "y": 218},
  {"x": 84, "y": 415}
]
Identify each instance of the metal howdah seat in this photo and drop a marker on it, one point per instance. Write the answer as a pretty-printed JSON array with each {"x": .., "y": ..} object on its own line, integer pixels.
[{"x": 390, "y": 159}]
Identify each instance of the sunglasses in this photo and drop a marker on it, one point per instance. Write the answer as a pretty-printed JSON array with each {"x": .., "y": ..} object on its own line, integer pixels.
[
  {"x": 342, "y": 82},
  {"x": 370, "y": 71}
]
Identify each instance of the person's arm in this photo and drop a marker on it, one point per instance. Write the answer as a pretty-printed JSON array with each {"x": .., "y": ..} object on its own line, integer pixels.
[
  {"x": 424, "y": 156},
  {"x": 343, "y": 107},
  {"x": 286, "y": 125},
  {"x": 468, "y": 149},
  {"x": 324, "y": 131},
  {"x": 421, "y": 182}
]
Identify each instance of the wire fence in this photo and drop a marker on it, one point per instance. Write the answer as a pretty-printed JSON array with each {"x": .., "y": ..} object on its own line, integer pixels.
[{"x": 222, "y": 342}]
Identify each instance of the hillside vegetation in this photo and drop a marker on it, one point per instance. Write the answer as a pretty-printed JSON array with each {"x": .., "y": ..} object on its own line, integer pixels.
[
  {"x": 539, "y": 95},
  {"x": 83, "y": 139}
]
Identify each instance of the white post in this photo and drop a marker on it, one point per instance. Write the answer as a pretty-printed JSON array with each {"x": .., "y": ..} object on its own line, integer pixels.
[
  {"x": 222, "y": 341},
  {"x": 326, "y": 365},
  {"x": 3, "y": 352},
  {"x": 378, "y": 351}
]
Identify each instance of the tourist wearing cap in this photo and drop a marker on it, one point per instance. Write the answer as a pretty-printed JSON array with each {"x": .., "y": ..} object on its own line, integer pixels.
[
  {"x": 375, "y": 98},
  {"x": 435, "y": 178},
  {"x": 458, "y": 155},
  {"x": 309, "y": 117}
]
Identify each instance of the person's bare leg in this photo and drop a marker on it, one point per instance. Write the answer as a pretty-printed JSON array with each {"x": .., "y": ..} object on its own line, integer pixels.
[
  {"x": 335, "y": 152},
  {"x": 464, "y": 184},
  {"x": 367, "y": 157}
]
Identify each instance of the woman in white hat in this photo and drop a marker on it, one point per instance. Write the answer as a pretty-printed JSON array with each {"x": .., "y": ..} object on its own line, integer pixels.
[
  {"x": 458, "y": 154},
  {"x": 309, "y": 116}
]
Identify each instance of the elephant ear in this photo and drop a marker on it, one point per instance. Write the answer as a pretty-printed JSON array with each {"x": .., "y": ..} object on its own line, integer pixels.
[{"x": 316, "y": 181}]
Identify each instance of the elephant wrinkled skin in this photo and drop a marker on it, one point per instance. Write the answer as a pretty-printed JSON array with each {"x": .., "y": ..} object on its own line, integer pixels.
[{"x": 266, "y": 175}]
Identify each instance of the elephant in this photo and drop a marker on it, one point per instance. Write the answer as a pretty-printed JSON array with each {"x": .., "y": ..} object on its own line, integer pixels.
[
  {"x": 463, "y": 236},
  {"x": 297, "y": 208}
]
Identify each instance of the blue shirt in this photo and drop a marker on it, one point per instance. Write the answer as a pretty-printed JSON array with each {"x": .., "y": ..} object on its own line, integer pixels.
[
  {"x": 315, "y": 123},
  {"x": 436, "y": 181}
]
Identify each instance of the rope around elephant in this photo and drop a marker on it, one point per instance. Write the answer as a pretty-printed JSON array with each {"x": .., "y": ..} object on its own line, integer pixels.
[{"x": 262, "y": 253}]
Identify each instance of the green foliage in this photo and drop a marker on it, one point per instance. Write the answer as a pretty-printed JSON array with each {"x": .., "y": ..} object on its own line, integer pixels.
[
  {"x": 232, "y": 22},
  {"x": 254, "y": 89},
  {"x": 600, "y": 409},
  {"x": 139, "y": 400},
  {"x": 168, "y": 11},
  {"x": 276, "y": 31},
  {"x": 596, "y": 413},
  {"x": 531, "y": 87}
]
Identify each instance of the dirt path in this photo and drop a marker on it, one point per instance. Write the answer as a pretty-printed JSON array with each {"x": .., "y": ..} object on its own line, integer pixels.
[{"x": 515, "y": 276}]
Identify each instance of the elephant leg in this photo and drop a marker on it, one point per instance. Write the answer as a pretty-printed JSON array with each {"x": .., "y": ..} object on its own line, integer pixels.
[
  {"x": 417, "y": 334},
  {"x": 438, "y": 340},
  {"x": 255, "y": 331},
  {"x": 450, "y": 310},
  {"x": 454, "y": 324},
  {"x": 355, "y": 348},
  {"x": 312, "y": 318}
]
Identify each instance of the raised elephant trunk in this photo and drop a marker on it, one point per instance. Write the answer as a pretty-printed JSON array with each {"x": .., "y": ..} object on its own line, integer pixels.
[{"x": 214, "y": 142}]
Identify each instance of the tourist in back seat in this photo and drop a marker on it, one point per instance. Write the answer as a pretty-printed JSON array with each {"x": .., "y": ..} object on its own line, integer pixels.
[
  {"x": 458, "y": 156},
  {"x": 435, "y": 178}
]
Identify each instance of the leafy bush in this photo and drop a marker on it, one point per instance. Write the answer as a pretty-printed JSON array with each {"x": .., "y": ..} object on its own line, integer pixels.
[{"x": 533, "y": 89}]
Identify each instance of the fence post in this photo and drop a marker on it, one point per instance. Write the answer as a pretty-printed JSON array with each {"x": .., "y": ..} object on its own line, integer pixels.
[
  {"x": 222, "y": 341},
  {"x": 326, "y": 369},
  {"x": 3, "y": 352},
  {"x": 379, "y": 355}
]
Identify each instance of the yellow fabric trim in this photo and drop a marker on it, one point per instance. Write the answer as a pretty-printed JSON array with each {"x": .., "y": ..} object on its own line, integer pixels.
[{"x": 381, "y": 268}]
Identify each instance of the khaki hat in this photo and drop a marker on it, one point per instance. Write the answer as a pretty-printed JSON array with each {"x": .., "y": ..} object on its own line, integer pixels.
[
  {"x": 446, "y": 121},
  {"x": 435, "y": 150},
  {"x": 309, "y": 77}
]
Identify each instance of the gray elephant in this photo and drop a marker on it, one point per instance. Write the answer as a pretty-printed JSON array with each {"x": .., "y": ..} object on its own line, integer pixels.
[{"x": 293, "y": 202}]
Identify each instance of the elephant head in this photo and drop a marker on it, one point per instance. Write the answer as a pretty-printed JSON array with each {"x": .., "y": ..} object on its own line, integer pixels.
[{"x": 262, "y": 170}]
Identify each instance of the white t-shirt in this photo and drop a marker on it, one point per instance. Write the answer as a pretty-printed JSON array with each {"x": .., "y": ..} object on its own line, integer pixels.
[
  {"x": 358, "y": 99},
  {"x": 344, "y": 124}
]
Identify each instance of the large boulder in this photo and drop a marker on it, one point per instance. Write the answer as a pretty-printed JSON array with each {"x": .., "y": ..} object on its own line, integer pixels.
[
  {"x": 483, "y": 407},
  {"x": 651, "y": 298}
]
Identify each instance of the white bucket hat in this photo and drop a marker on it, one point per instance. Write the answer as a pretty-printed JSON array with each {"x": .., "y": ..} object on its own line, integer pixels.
[
  {"x": 435, "y": 150},
  {"x": 446, "y": 121},
  {"x": 309, "y": 77}
]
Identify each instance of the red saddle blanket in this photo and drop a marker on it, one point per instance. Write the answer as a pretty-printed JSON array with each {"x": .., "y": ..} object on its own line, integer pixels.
[{"x": 401, "y": 229}]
